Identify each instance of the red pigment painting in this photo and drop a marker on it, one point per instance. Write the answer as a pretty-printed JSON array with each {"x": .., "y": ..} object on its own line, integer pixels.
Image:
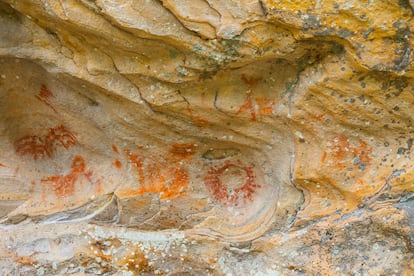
[
  {"x": 257, "y": 106},
  {"x": 44, "y": 96},
  {"x": 341, "y": 152},
  {"x": 227, "y": 195},
  {"x": 40, "y": 147},
  {"x": 35, "y": 146},
  {"x": 61, "y": 137},
  {"x": 64, "y": 185},
  {"x": 250, "y": 82},
  {"x": 248, "y": 107}
]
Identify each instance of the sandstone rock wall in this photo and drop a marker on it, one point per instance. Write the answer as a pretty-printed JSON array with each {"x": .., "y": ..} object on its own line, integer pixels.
[{"x": 210, "y": 137}]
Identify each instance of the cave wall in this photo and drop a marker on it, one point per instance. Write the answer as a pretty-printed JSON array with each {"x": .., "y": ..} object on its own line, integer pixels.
[{"x": 206, "y": 137}]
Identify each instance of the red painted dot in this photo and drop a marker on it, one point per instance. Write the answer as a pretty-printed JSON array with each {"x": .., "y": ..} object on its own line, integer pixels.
[{"x": 117, "y": 163}]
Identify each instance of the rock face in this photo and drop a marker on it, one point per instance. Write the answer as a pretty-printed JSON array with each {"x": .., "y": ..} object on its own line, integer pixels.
[{"x": 206, "y": 137}]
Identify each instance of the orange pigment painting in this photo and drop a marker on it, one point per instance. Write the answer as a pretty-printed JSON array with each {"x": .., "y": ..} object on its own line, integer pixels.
[
  {"x": 340, "y": 151},
  {"x": 197, "y": 120},
  {"x": 64, "y": 185},
  {"x": 117, "y": 164},
  {"x": 167, "y": 177},
  {"x": 258, "y": 106}
]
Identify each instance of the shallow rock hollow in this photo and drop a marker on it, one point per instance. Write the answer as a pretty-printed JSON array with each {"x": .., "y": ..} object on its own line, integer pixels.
[{"x": 167, "y": 137}]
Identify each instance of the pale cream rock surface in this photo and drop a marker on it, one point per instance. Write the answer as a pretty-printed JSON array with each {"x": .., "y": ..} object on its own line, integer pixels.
[{"x": 178, "y": 137}]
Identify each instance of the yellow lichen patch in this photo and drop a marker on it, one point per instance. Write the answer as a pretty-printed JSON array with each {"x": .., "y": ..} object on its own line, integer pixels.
[
  {"x": 135, "y": 262},
  {"x": 403, "y": 182},
  {"x": 25, "y": 260},
  {"x": 377, "y": 30}
]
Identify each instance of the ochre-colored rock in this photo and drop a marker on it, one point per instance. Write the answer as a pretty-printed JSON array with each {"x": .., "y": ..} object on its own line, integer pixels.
[{"x": 206, "y": 137}]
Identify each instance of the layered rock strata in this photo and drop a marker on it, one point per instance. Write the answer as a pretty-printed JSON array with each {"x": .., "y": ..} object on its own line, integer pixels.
[{"x": 206, "y": 137}]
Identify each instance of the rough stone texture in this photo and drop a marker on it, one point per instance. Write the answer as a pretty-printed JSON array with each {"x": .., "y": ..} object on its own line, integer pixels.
[{"x": 172, "y": 137}]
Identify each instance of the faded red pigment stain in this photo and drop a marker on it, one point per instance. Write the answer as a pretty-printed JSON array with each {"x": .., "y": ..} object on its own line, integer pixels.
[
  {"x": 1, "y": 165},
  {"x": 361, "y": 182},
  {"x": 65, "y": 185},
  {"x": 320, "y": 116},
  {"x": 341, "y": 152},
  {"x": 256, "y": 107},
  {"x": 117, "y": 163},
  {"x": 250, "y": 82},
  {"x": 114, "y": 149},
  {"x": 32, "y": 186},
  {"x": 200, "y": 121},
  {"x": 222, "y": 193},
  {"x": 259, "y": 106},
  {"x": 265, "y": 106},
  {"x": 248, "y": 107},
  {"x": 138, "y": 162},
  {"x": 44, "y": 96},
  {"x": 40, "y": 147},
  {"x": 197, "y": 120},
  {"x": 98, "y": 185},
  {"x": 183, "y": 151},
  {"x": 165, "y": 176}
]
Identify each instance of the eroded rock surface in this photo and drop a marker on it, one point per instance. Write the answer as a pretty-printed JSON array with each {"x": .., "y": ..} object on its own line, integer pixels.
[{"x": 206, "y": 137}]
